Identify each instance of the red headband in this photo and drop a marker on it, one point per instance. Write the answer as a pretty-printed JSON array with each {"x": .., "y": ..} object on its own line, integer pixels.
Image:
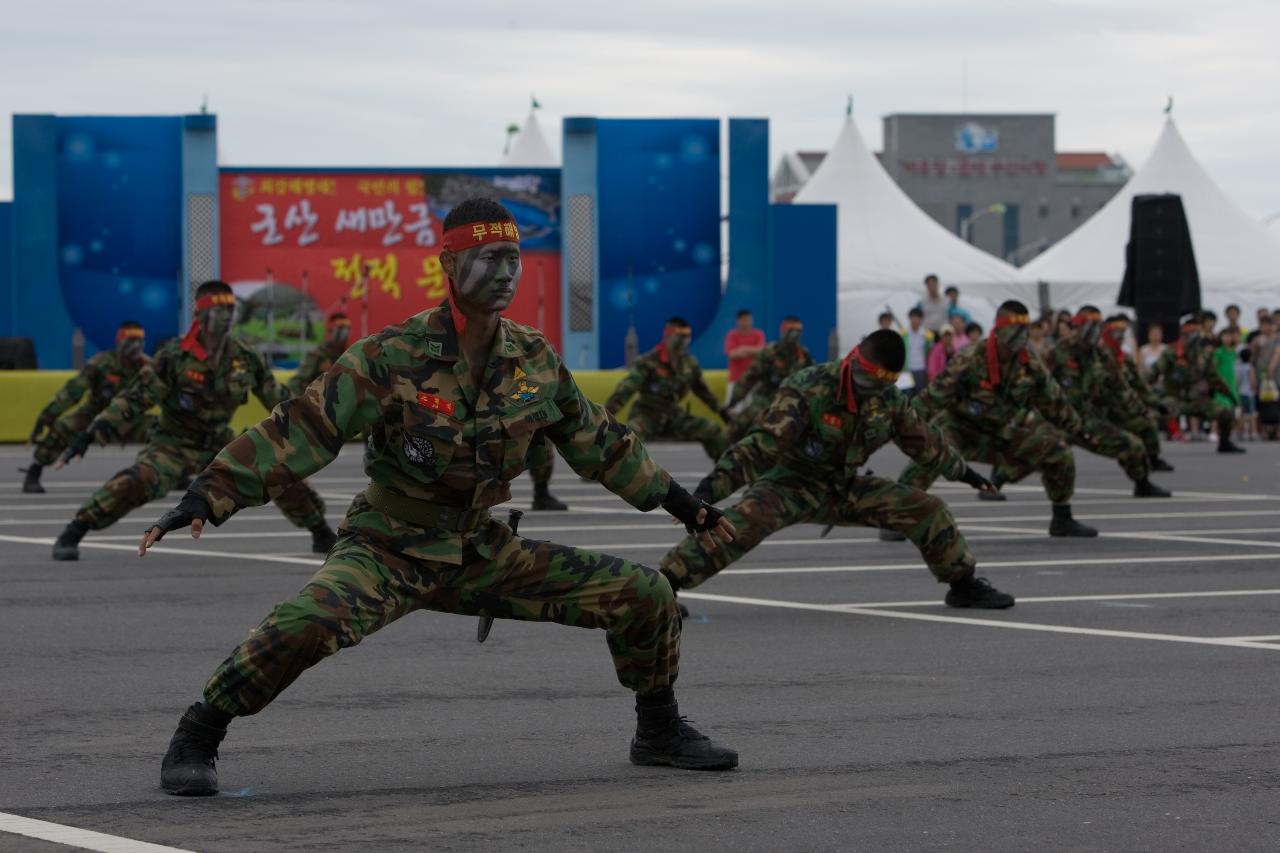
[
  {"x": 204, "y": 303},
  {"x": 1086, "y": 317},
  {"x": 845, "y": 391},
  {"x": 337, "y": 322},
  {"x": 125, "y": 334},
  {"x": 478, "y": 233},
  {"x": 993, "y": 356}
]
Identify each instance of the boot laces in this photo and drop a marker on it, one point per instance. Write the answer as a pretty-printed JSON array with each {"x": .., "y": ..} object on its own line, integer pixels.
[{"x": 190, "y": 750}]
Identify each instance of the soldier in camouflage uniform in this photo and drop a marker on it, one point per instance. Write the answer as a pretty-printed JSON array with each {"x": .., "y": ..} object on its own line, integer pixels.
[
  {"x": 198, "y": 381},
  {"x": 1189, "y": 379},
  {"x": 801, "y": 459},
  {"x": 337, "y": 334},
  {"x": 753, "y": 393},
  {"x": 1146, "y": 424},
  {"x": 662, "y": 377},
  {"x": 998, "y": 403},
  {"x": 1095, "y": 388},
  {"x": 97, "y": 382},
  {"x": 452, "y": 399}
]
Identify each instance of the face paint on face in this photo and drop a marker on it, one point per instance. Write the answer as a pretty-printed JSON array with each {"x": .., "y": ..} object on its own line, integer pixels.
[
  {"x": 487, "y": 276},
  {"x": 1014, "y": 338},
  {"x": 678, "y": 341},
  {"x": 1089, "y": 334},
  {"x": 130, "y": 349},
  {"x": 339, "y": 335},
  {"x": 793, "y": 335},
  {"x": 215, "y": 322}
]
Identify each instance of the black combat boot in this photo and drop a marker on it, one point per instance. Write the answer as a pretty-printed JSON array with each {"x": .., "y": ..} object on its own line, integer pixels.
[
  {"x": 977, "y": 593},
  {"x": 1159, "y": 464},
  {"x": 1064, "y": 525},
  {"x": 543, "y": 499},
  {"x": 1144, "y": 488},
  {"x": 1226, "y": 445},
  {"x": 663, "y": 737},
  {"x": 887, "y": 535},
  {"x": 31, "y": 483},
  {"x": 323, "y": 538},
  {"x": 998, "y": 495},
  {"x": 189, "y": 767},
  {"x": 67, "y": 547}
]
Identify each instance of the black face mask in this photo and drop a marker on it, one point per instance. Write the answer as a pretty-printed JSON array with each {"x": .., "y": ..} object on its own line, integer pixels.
[{"x": 130, "y": 349}]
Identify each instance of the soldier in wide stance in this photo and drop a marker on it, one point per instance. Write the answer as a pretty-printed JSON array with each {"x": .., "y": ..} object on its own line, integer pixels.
[
  {"x": 96, "y": 383},
  {"x": 198, "y": 381},
  {"x": 800, "y": 464},
  {"x": 452, "y": 399},
  {"x": 659, "y": 380}
]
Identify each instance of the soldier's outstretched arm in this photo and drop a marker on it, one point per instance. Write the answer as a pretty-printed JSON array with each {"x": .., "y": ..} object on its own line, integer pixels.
[
  {"x": 265, "y": 387},
  {"x": 601, "y": 449},
  {"x": 625, "y": 390},
  {"x": 703, "y": 393},
  {"x": 770, "y": 435},
  {"x": 298, "y": 438},
  {"x": 68, "y": 395},
  {"x": 130, "y": 403},
  {"x": 925, "y": 443},
  {"x": 743, "y": 386}
]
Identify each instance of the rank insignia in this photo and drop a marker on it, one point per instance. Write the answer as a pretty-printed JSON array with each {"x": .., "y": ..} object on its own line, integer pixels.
[
  {"x": 519, "y": 374},
  {"x": 833, "y": 420},
  {"x": 434, "y": 349},
  {"x": 436, "y": 404},
  {"x": 524, "y": 391}
]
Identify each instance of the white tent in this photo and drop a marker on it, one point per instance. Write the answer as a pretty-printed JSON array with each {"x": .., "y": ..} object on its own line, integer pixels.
[
  {"x": 1236, "y": 254},
  {"x": 530, "y": 148},
  {"x": 886, "y": 245}
]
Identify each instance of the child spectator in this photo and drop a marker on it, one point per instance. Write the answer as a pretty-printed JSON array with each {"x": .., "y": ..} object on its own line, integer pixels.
[
  {"x": 942, "y": 352},
  {"x": 1247, "y": 390}
]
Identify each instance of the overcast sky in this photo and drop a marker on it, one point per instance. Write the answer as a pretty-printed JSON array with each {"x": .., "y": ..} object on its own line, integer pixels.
[{"x": 398, "y": 82}]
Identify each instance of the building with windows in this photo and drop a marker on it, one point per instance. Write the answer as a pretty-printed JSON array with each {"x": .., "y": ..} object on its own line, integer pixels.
[{"x": 994, "y": 180}]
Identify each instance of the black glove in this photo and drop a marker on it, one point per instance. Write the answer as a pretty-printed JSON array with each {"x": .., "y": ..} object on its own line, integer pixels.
[
  {"x": 705, "y": 491},
  {"x": 42, "y": 424},
  {"x": 684, "y": 507},
  {"x": 191, "y": 507},
  {"x": 723, "y": 412},
  {"x": 77, "y": 448},
  {"x": 979, "y": 482}
]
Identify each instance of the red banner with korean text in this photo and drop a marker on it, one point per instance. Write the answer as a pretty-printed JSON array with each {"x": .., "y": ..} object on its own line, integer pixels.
[{"x": 297, "y": 245}]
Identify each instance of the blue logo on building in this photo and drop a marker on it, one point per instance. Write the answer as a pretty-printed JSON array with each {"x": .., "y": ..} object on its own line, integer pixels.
[{"x": 973, "y": 138}]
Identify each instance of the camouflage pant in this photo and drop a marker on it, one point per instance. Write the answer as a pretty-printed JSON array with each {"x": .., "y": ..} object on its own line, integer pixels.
[
  {"x": 68, "y": 428},
  {"x": 1105, "y": 439},
  {"x": 159, "y": 466},
  {"x": 366, "y": 583},
  {"x": 780, "y": 499},
  {"x": 679, "y": 425},
  {"x": 1147, "y": 432},
  {"x": 1208, "y": 409},
  {"x": 1035, "y": 445}
]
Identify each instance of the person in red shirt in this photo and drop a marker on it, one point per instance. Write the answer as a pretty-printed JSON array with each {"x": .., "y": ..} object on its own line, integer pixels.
[{"x": 741, "y": 345}]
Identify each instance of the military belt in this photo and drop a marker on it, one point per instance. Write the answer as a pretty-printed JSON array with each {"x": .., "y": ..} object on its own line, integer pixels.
[{"x": 425, "y": 513}]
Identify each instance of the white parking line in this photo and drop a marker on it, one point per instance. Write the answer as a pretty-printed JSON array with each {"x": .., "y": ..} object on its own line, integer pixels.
[
  {"x": 168, "y": 549},
  {"x": 75, "y": 837},
  {"x": 1060, "y": 599},
  {"x": 1007, "y": 564},
  {"x": 982, "y": 623}
]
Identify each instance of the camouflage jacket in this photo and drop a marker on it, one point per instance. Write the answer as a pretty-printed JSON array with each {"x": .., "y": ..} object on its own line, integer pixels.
[
  {"x": 316, "y": 362},
  {"x": 433, "y": 434},
  {"x": 1190, "y": 375},
  {"x": 771, "y": 367},
  {"x": 808, "y": 432},
  {"x": 1093, "y": 382},
  {"x": 661, "y": 383},
  {"x": 1138, "y": 383},
  {"x": 1026, "y": 388},
  {"x": 100, "y": 378},
  {"x": 196, "y": 397}
]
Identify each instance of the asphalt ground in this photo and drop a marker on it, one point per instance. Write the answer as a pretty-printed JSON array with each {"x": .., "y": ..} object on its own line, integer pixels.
[{"x": 1128, "y": 702}]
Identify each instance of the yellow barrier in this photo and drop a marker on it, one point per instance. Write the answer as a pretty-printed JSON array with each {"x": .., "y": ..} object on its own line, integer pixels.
[{"x": 25, "y": 392}]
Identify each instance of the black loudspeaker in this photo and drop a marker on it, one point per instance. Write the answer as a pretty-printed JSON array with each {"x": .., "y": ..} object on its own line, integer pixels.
[
  {"x": 17, "y": 354},
  {"x": 1161, "y": 282}
]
